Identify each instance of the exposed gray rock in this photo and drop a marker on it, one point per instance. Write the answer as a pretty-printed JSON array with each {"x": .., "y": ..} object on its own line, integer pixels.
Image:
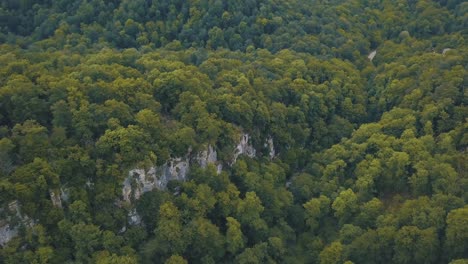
[
  {"x": 55, "y": 197},
  {"x": 175, "y": 169},
  {"x": 64, "y": 194},
  {"x": 209, "y": 156},
  {"x": 372, "y": 55},
  {"x": 271, "y": 148},
  {"x": 244, "y": 148},
  {"x": 134, "y": 218},
  {"x": 6, "y": 233},
  {"x": 7, "y": 230},
  {"x": 139, "y": 177},
  {"x": 446, "y": 50},
  {"x": 140, "y": 181},
  {"x": 89, "y": 183}
]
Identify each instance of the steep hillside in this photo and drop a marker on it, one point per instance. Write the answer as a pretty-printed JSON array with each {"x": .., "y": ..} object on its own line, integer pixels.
[{"x": 257, "y": 131}]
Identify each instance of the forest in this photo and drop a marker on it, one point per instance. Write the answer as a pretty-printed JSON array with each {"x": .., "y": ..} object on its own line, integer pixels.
[{"x": 255, "y": 131}]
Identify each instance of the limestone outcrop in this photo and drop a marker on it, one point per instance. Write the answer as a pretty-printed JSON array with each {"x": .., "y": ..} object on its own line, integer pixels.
[
  {"x": 141, "y": 180},
  {"x": 10, "y": 222}
]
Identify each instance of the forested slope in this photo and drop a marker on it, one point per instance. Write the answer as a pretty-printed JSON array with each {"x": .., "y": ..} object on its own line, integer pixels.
[{"x": 351, "y": 159}]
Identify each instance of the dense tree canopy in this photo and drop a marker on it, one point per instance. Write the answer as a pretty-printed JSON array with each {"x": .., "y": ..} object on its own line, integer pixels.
[{"x": 369, "y": 162}]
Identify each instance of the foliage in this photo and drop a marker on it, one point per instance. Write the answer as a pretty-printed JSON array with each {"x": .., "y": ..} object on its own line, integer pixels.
[{"x": 370, "y": 160}]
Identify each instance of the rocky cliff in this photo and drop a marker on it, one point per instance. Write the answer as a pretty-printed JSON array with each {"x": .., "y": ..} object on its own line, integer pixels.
[
  {"x": 10, "y": 222},
  {"x": 140, "y": 180}
]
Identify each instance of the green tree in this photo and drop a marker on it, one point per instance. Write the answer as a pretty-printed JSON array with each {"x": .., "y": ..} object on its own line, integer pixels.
[
  {"x": 256, "y": 254},
  {"x": 169, "y": 235},
  {"x": 176, "y": 259},
  {"x": 86, "y": 238},
  {"x": 206, "y": 241},
  {"x": 413, "y": 245},
  {"x": 332, "y": 254},
  {"x": 31, "y": 139},
  {"x": 345, "y": 205},
  {"x": 126, "y": 145},
  {"x": 249, "y": 212},
  {"x": 373, "y": 246},
  {"x": 456, "y": 233},
  {"x": 6, "y": 156},
  {"x": 79, "y": 212},
  {"x": 316, "y": 209},
  {"x": 369, "y": 212},
  {"x": 234, "y": 236}
]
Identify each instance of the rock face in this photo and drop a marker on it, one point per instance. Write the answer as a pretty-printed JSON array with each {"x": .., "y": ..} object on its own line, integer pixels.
[
  {"x": 175, "y": 169},
  {"x": 209, "y": 156},
  {"x": 140, "y": 181},
  {"x": 134, "y": 218},
  {"x": 244, "y": 148},
  {"x": 372, "y": 55},
  {"x": 6, "y": 233},
  {"x": 56, "y": 199},
  {"x": 271, "y": 148},
  {"x": 13, "y": 214},
  {"x": 64, "y": 194}
]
